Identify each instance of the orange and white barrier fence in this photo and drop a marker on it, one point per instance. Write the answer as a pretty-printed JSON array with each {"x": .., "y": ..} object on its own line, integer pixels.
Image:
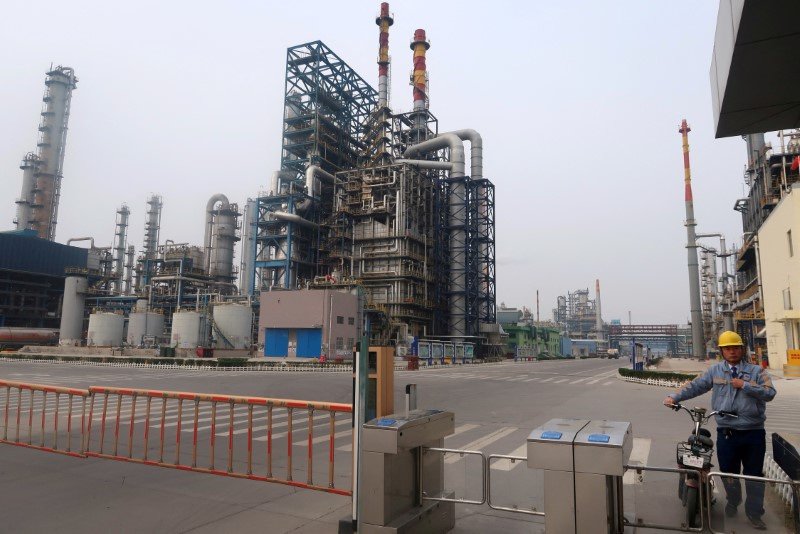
[
  {"x": 47, "y": 418},
  {"x": 223, "y": 435}
]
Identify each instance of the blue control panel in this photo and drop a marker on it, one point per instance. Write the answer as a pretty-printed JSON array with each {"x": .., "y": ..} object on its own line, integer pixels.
[
  {"x": 386, "y": 422},
  {"x": 598, "y": 438},
  {"x": 551, "y": 434}
]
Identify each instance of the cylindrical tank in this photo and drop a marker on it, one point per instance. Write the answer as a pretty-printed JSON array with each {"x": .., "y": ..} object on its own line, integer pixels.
[
  {"x": 142, "y": 325},
  {"x": 27, "y": 336},
  {"x": 188, "y": 328},
  {"x": 71, "y": 330},
  {"x": 105, "y": 330},
  {"x": 232, "y": 326}
]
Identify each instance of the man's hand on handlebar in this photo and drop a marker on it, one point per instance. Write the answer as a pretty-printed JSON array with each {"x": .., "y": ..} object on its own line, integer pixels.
[{"x": 669, "y": 401}]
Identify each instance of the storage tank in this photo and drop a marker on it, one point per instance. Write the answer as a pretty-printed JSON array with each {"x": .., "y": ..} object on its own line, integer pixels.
[
  {"x": 105, "y": 330},
  {"x": 71, "y": 328},
  {"x": 188, "y": 329},
  {"x": 143, "y": 325},
  {"x": 233, "y": 325}
]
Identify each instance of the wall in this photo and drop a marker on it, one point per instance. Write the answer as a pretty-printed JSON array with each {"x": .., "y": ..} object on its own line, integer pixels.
[
  {"x": 312, "y": 308},
  {"x": 777, "y": 268}
]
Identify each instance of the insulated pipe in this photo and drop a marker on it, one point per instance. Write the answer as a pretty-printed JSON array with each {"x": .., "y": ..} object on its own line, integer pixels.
[
  {"x": 74, "y": 239},
  {"x": 293, "y": 217},
  {"x": 275, "y": 181},
  {"x": 314, "y": 171},
  {"x": 427, "y": 164},
  {"x": 698, "y": 345},
  {"x": 219, "y": 197},
  {"x": 384, "y": 20},
  {"x": 457, "y": 222}
]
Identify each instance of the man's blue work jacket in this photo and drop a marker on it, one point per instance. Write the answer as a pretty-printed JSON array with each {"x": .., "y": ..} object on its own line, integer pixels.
[{"x": 749, "y": 403}]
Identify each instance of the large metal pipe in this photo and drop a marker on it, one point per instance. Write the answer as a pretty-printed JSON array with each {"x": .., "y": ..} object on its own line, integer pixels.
[
  {"x": 384, "y": 20},
  {"x": 293, "y": 217},
  {"x": 275, "y": 181},
  {"x": 698, "y": 344},
  {"x": 475, "y": 151},
  {"x": 457, "y": 222},
  {"x": 427, "y": 164},
  {"x": 75, "y": 239},
  {"x": 27, "y": 336}
]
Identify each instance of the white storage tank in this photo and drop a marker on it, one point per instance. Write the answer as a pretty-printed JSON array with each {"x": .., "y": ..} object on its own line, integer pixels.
[
  {"x": 143, "y": 325},
  {"x": 105, "y": 330},
  {"x": 233, "y": 325},
  {"x": 188, "y": 329},
  {"x": 75, "y": 288}
]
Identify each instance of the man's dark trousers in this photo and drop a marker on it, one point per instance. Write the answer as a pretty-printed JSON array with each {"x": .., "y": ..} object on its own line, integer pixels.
[{"x": 743, "y": 450}]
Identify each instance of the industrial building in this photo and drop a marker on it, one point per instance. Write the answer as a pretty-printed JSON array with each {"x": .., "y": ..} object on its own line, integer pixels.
[{"x": 366, "y": 203}]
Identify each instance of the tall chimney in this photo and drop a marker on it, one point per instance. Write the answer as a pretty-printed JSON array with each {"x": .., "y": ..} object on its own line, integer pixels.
[
  {"x": 599, "y": 323},
  {"x": 698, "y": 345},
  {"x": 384, "y": 20},
  {"x": 419, "y": 79}
]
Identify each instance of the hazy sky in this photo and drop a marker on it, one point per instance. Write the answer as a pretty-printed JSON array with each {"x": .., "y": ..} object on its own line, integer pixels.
[{"x": 578, "y": 103}]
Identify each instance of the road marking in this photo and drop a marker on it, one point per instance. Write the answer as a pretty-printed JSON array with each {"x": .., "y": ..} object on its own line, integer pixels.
[
  {"x": 481, "y": 443},
  {"x": 532, "y": 379},
  {"x": 580, "y": 380},
  {"x": 506, "y": 464},
  {"x": 548, "y": 379},
  {"x": 461, "y": 429},
  {"x": 562, "y": 380},
  {"x": 639, "y": 454},
  {"x": 323, "y": 438}
]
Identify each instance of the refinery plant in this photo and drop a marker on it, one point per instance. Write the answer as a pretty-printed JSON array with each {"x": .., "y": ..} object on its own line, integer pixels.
[{"x": 378, "y": 205}]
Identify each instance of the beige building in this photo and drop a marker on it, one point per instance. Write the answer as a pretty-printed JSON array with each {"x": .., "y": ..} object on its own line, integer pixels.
[{"x": 779, "y": 250}]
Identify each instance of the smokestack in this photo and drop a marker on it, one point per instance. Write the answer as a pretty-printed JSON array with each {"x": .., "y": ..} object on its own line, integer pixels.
[
  {"x": 599, "y": 323},
  {"x": 698, "y": 345},
  {"x": 419, "y": 79},
  {"x": 384, "y": 20}
]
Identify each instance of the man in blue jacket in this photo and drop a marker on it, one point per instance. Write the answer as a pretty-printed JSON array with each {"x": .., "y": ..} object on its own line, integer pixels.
[{"x": 744, "y": 389}]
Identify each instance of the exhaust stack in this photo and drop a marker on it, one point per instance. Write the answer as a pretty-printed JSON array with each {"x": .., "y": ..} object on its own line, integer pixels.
[
  {"x": 698, "y": 345},
  {"x": 419, "y": 79},
  {"x": 599, "y": 324},
  {"x": 384, "y": 20}
]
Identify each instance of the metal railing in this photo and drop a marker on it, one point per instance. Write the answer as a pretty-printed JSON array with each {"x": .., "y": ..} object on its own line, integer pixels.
[
  {"x": 22, "y": 403},
  {"x": 120, "y": 423},
  {"x": 793, "y": 487},
  {"x": 462, "y": 453},
  {"x": 492, "y": 505}
]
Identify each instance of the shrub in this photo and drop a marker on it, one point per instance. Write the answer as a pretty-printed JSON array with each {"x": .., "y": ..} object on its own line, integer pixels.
[{"x": 680, "y": 377}]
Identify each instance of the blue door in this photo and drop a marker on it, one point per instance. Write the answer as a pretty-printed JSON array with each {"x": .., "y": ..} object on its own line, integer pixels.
[
  {"x": 276, "y": 342},
  {"x": 309, "y": 342}
]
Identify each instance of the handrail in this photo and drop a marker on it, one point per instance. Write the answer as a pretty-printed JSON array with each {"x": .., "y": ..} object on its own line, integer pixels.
[
  {"x": 513, "y": 459},
  {"x": 461, "y": 452}
]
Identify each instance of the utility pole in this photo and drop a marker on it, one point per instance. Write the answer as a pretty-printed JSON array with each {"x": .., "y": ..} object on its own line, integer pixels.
[{"x": 698, "y": 345}]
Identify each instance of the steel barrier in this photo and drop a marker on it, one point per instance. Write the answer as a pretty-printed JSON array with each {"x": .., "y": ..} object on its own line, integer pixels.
[
  {"x": 129, "y": 415},
  {"x": 682, "y": 527},
  {"x": 462, "y": 453},
  {"x": 25, "y": 406},
  {"x": 512, "y": 459}
]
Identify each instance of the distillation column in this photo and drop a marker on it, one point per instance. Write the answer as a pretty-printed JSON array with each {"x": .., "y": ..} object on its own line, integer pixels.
[
  {"x": 120, "y": 245},
  {"x": 29, "y": 167},
  {"x": 60, "y": 83},
  {"x": 698, "y": 345},
  {"x": 220, "y": 237},
  {"x": 152, "y": 226}
]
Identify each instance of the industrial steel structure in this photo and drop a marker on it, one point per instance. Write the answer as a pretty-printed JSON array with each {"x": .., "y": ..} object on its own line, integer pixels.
[
  {"x": 37, "y": 207},
  {"x": 372, "y": 199}
]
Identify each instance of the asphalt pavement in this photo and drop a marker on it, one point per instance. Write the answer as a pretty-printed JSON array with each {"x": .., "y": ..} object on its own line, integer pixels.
[{"x": 496, "y": 406}]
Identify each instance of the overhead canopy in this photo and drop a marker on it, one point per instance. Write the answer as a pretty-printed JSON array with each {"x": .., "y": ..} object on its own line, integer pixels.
[{"x": 755, "y": 68}]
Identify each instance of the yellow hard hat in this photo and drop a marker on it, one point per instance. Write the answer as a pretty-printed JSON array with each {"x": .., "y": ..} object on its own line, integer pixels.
[{"x": 730, "y": 339}]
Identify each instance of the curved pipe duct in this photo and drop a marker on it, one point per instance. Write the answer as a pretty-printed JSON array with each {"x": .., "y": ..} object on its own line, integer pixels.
[
  {"x": 446, "y": 140},
  {"x": 219, "y": 197},
  {"x": 314, "y": 171},
  {"x": 476, "y": 151},
  {"x": 275, "y": 181}
]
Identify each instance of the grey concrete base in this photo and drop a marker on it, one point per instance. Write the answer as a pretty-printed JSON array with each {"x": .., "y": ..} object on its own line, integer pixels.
[{"x": 430, "y": 518}]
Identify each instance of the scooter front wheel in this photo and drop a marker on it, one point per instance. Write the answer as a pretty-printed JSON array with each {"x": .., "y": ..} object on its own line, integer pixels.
[{"x": 692, "y": 506}]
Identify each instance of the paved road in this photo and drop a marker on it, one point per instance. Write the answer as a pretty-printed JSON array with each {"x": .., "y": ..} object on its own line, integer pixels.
[{"x": 496, "y": 406}]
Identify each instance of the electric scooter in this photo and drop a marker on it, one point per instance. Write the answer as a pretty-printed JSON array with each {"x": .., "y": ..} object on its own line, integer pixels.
[{"x": 695, "y": 453}]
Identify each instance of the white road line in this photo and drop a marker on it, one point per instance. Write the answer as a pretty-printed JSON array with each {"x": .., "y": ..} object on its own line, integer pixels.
[
  {"x": 639, "y": 454},
  {"x": 461, "y": 429},
  {"x": 532, "y": 379},
  {"x": 548, "y": 379},
  {"x": 323, "y": 438},
  {"x": 562, "y": 380},
  {"x": 580, "y": 380},
  {"x": 483, "y": 442},
  {"x": 608, "y": 383},
  {"x": 508, "y": 465}
]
